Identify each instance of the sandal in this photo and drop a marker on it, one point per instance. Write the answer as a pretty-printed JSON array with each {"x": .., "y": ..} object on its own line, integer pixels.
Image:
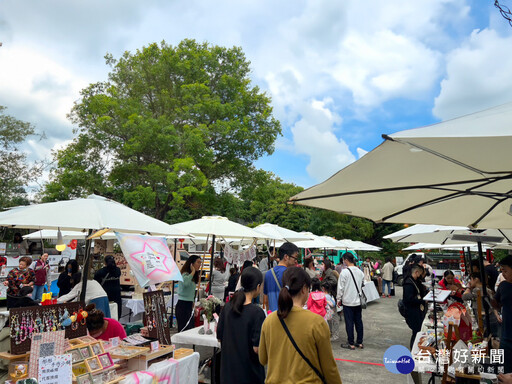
[
  {"x": 348, "y": 346},
  {"x": 360, "y": 346}
]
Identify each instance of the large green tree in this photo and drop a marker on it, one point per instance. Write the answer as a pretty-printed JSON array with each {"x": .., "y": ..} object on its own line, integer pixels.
[
  {"x": 168, "y": 124},
  {"x": 15, "y": 172}
]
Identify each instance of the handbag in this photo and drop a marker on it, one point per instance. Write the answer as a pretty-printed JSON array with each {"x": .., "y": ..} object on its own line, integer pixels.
[
  {"x": 362, "y": 296},
  {"x": 319, "y": 374}
]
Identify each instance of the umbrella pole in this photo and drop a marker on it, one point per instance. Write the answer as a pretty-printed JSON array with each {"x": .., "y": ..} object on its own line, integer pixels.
[
  {"x": 211, "y": 264},
  {"x": 87, "y": 265},
  {"x": 485, "y": 298},
  {"x": 467, "y": 261},
  {"x": 172, "y": 292},
  {"x": 470, "y": 261}
]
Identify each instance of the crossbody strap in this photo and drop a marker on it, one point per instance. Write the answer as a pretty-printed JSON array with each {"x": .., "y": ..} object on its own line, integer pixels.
[
  {"x": 276, "y": 279},
  {"x": 353, "y": 278},
  {"x": 300, "y": 352}
]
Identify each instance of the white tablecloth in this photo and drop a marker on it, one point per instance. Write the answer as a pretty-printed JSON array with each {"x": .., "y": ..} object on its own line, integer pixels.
[
  {"x": 182, "y": 371},
  {"x": 193, "y": 337},
  {"x": 137, "y": 305}
]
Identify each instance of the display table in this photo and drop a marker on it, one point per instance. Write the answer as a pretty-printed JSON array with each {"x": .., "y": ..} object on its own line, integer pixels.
[
  {"x": 182, "y": 371},
  {"x": 370, "y": 291},
  {"x": 193, "y": 337}
]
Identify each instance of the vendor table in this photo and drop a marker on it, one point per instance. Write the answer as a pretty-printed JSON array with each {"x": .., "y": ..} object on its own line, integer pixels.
[
  {"x": 193, "y": 337},
  {"x": 182, "y": 371}
]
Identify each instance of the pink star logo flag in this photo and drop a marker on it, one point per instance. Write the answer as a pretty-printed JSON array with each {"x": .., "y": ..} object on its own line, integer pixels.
[{"x": 149, "y": 258}]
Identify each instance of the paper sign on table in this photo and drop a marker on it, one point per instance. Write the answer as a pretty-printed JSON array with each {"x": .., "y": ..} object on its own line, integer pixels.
[{"x": 55, "y": 369}]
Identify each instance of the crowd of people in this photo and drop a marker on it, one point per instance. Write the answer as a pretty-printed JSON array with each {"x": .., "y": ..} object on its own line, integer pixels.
[{"x": 291, "y": 331}]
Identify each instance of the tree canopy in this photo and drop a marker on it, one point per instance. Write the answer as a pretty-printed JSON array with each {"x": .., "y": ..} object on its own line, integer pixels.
[
  {"x": 168, "y": 124},
  {"x": 15, "y": 172}
]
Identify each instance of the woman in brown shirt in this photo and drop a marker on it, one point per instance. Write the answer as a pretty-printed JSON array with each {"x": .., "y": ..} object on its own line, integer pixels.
[{"x": 309, "y": 330}]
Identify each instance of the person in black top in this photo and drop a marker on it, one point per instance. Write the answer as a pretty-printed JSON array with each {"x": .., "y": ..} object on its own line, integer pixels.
[
  {"x": 239, "y": 331},
  {"x": 109, "y": 278},
  {"x": 503, "y": 300},
  {"x": 233, "y": 279},
  {"x": 24, "y": 298},
  {"x": 492, "y": 274},
  {"x": 415, "y": 306},
  {"x": 65, "y": 282}
]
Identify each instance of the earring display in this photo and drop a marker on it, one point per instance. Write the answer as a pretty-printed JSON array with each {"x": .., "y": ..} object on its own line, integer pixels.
[
  {"x": 155, "y": 317},
  {"x": 28, "y": 321}
]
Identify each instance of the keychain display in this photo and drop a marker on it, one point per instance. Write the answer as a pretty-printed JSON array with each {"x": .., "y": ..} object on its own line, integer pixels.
[{"x": 28, "y": 321}]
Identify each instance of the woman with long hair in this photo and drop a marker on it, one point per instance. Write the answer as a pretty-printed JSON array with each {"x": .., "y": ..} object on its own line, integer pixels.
[
  {"x": 330, "y": 276},
  {"x": 109, "y": 278},
  {"x": 191, "y": 273},
  {"x": 309, "y": 267},
  {"x": 239, "y": 333},
  {"x": 219, "y": 278},
  {"x": 310, "y": 333},
  {"x": 65, "y": 282}
]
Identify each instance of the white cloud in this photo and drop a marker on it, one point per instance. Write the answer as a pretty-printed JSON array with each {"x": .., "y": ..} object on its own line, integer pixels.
[
  {"x": 478, "y": 76},
  {"x": 314, "y": 136},
  {"x": 38, "y": 89}
]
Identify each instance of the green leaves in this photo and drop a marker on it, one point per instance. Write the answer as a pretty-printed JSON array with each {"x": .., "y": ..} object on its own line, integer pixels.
[
  {"x": 15, "y": 173},
  {"x": 169, "y": 123}
]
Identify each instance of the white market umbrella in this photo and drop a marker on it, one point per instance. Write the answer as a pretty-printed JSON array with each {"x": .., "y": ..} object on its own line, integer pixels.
[
  {"x": 446, "y": 235},
  {"x": 52, "y": 234},
  {"x": 420, "y": 246},
  {"x": 92, "y": 213},
  {"x": 217, "y": 226},
  {"x": 453, "y": 173},
  {"x": 275, "y": 232},
  {"x": 315, "y": 241}
]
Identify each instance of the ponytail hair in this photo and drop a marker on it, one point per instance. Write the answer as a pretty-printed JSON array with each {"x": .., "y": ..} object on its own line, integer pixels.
[
  {"x": 294, "y": 279},
  {"x": 110, "y": 262},
  {"x": 250, "y": 279}
]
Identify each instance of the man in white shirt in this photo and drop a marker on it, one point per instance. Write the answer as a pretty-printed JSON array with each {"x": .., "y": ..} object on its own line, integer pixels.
[{"x": 350, "y": 284}]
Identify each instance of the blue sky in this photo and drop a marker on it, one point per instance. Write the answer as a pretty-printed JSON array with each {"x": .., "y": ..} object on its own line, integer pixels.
[{"x": 340, "y": 73}]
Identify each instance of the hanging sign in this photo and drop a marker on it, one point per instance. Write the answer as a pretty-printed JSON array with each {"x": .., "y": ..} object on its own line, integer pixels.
[{"x": 149, "y": 258}]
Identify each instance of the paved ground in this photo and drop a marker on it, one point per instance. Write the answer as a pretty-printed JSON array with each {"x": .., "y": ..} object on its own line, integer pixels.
[{"x": 383, "y": 327}]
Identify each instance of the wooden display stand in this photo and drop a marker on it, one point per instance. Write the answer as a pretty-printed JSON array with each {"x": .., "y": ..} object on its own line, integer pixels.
[{"x": 143, "y": 361}]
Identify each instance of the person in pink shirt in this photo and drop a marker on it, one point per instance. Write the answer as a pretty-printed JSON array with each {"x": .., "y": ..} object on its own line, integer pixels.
[
  {"x": 101, "y": 327},
  {"x": 316, "y": 300}
]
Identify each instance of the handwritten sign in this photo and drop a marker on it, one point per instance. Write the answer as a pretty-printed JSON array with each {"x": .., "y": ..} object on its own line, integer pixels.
[{"x": 55, "y": 369}]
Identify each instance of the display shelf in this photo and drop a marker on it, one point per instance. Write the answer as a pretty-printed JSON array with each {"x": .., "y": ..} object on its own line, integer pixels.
[{"x": 11, "y": 357}]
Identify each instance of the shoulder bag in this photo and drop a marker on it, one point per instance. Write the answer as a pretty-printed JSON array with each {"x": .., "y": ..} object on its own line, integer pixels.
[
  {"x": 275, "y": 278},
  {"x": 319, "y": 374},
  {"x": 362, "y": 296}
]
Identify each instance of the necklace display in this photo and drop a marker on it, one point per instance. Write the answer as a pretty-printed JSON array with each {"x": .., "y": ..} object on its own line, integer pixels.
[{"x": 154, "y": 306}]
